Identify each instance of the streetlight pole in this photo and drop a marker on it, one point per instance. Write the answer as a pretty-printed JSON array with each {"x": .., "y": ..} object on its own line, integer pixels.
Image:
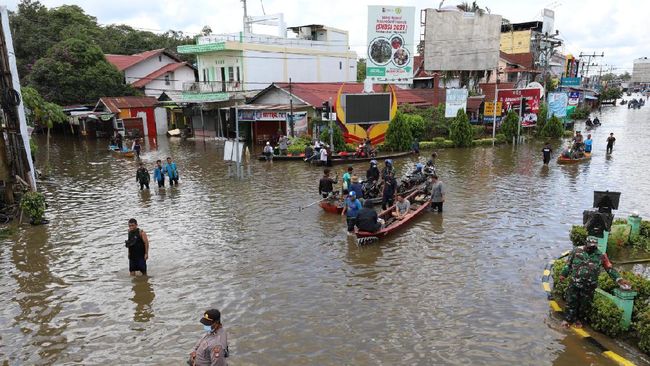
[
  {"x": 291, "y": 121},
  {"x": 329, "y": 117}
]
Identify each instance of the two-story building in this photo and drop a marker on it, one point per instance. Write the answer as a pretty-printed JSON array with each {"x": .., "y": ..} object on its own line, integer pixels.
[
  {"x": 242, "y": 62},
  {"x": 154, "y": 71}
]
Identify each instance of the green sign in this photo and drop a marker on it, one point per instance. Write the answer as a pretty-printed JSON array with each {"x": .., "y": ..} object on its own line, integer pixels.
[
  {"x": 376, "y": 71},
  {"x": 203, "y": 97},
  {"x": 201, "y": 48}
]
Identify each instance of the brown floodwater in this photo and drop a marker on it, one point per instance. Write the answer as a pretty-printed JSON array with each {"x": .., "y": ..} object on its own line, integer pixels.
[{"x": 459, "y": 288}]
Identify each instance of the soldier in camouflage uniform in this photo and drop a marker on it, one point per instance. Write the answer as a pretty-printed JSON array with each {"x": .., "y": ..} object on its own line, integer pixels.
[{"x": 583, "y": 268}]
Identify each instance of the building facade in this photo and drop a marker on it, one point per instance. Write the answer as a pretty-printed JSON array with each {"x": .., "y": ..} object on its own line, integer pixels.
[
  {"x": 641, "y": 71},
  {"x": 240, "y": 62}
]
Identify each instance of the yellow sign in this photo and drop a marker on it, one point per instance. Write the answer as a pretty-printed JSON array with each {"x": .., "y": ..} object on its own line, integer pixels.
[
  {"x": 515, "y": 42},
  {"x": 489, "y": 109}
]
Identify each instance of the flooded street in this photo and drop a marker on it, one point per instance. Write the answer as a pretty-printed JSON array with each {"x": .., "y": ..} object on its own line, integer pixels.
[{"x": 459, "y": 288}]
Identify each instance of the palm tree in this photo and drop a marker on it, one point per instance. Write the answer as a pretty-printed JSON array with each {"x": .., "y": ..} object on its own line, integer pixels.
[{"x": 474, "y": 8}]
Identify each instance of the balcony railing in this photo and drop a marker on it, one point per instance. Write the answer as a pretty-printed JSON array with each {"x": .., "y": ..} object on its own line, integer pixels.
[{"x": 213, "y": 86}]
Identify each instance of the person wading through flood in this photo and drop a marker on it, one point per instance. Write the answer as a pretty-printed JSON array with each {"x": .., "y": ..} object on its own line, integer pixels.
[
  {"x": 546, "y": 153},
  {"x": 136, "y": 147},
  {"x": 172, "y": 172},
  {"x": 610, "y": 143},
  {"x": 582, "y": 270},
  {"x": 159, "y": 174},
  {"x": 368, "y": 220},
  {"x": 347, "y": 178},
  {"x": 351, "y": 210},
  {"x": 390, "y": 188},
  {"x": 588, "y": 144},
  {"x": 212, "y": 348},
  {"x": 326, "y": 184},
  {"x": 142, "y": 176},
  {"x": 138, "y": 245},
  {"x": 437, "y": 190}
]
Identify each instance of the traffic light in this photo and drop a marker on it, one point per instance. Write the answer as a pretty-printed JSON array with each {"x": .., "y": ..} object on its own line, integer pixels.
[
  {"x": 525, "y": 108},
  {"x": 326, "y": 110}
]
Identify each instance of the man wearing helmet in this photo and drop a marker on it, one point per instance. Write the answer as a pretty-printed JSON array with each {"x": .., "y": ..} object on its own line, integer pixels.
[
  {"x": 388, "y": 168},
  {"x": 582, "y": 270},
  {"x": 372, "y": 174}
]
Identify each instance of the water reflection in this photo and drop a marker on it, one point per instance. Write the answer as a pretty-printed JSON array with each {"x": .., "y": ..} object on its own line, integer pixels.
[{"x": 143, "y": 296}]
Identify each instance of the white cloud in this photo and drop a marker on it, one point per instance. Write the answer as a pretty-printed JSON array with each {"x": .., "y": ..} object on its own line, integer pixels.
[{"x": 616, "y": 28}]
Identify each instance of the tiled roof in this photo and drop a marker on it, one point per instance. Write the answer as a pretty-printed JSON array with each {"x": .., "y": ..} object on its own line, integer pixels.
[
  {"x": 123, "y": 62},
  {"x": 158, "y": 73},
  {"x": 317, "y": 93},
  {"x": 115, "y": 104}
]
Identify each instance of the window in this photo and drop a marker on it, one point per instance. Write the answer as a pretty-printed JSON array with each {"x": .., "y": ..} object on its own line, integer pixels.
[
  {"x": 340, "y": 65},
  {"x": 238, "y": 76},
  {"x": 167, "y": 80},
  {"x": 231, "y": 73},
  {"x": 205, "y": 74},
  {"x": 159, "y": 58}
]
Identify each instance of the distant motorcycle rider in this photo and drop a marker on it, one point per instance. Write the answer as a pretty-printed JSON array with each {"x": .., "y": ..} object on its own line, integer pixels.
[{"x": 372, "y": 174}]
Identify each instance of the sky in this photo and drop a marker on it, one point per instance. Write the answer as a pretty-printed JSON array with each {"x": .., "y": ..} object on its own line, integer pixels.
[{"x": 617, "y": 28}]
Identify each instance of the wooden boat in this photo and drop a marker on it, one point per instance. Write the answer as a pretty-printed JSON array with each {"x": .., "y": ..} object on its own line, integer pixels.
[
  {"x": 562, "y": 160},
  {"x": 125, "y": 153},
  {"x": 419, "y": 203},
  {"x": 337, "y": 159},
  {"x": 332, "y": 206},
  {"x": 378, "y": 199}
]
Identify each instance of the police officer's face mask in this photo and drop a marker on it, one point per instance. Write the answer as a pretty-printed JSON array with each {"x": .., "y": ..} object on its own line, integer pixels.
[{"x": 207, "y": 328}]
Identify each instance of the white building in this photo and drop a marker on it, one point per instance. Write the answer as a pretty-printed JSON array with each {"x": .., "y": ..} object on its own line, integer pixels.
[
  {"x": 239, "y": 62},
  {"x": 641, "y": 71},
  {"x": 154, "y": 71}
]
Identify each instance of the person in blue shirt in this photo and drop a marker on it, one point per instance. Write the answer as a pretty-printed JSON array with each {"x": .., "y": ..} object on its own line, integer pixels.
[
  {"x": 351, "y": 209},
  {"x": 172, "y": 172},
  {"x": 159, "y": 174},
  {"x": 588, "y": 144}
]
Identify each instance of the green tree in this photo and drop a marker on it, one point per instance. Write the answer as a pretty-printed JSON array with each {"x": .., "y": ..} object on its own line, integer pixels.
[
  {"x": 554, "y": 128},
  {"x": 339, "y": 140},
  {"x": 40, "y": 112},
  {"x": 461, "y": 131},
  {"x": 610, "y": 93},
  {"x": 626, "y": 76},
  {"x": 416, "y": 125},
  {"x": 542, "y": 116},
  {"x": 398, "y": 135},
  {"x": 75, "y": 71},
  {"x": 510, "y": 125},
  {"x": 361, "y": 70}
]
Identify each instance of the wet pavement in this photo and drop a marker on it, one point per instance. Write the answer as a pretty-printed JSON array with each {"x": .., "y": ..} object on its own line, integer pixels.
[{"x": 458, "y": 288}]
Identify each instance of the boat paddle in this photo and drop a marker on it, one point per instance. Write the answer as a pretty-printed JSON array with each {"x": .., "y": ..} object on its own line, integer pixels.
[{"x": 311, "y": 204}]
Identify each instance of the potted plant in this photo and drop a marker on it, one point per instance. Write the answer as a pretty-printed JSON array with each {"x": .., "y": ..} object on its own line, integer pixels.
[{"x": 33, "y": 204}]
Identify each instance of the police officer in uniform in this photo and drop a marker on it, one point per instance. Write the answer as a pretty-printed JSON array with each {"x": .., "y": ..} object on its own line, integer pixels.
[
  {"x": 212, "y": 348},
  {"x": 582, "y": 269}
]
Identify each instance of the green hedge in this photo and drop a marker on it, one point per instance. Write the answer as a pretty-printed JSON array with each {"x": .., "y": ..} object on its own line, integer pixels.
[
  {"x": 578, "y": 235},
  {"x": 568, "y": 133},
  {"x": 605, "y": 316}
]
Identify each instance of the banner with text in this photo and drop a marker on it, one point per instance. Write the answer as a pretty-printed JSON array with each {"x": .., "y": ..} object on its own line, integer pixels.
[
  {"x": 390, "y": 44},
  {"x": 456, "y": 100},
  {"x": 514, "y": 99}
]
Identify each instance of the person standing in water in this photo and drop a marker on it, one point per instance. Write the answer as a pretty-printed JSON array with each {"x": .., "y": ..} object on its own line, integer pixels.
[
  {"x": 159, "y": 174},
  {"x": 138, "y": 246},
  {"x": 588, "y": 144},
  {"x": 142, "y": 177},
  {"x": 172, "y": 172},
  {"x": 546, "y": 152},
  {"x": 136, "y": 147},
  {"x": 610, "y": 142}
]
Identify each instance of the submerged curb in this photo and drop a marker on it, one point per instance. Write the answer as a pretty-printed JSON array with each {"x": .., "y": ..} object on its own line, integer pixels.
[{"x": 546, "y": 285}]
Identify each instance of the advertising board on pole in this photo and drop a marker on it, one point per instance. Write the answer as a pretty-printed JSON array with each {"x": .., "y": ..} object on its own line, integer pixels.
[
  {"x": 557, "y": 103},
  {"x": 488, "y": 111},
  {"x": 390, "y": 44},
  {"x": 574, "y": 98},
  {"x": 456, "y": 100},
  {"x": 512, "y": 99}
]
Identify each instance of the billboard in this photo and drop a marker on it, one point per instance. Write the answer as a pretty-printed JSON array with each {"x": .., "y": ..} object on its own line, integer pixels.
[
  {"x": 514, "y": 99},
  {"x": 457, "y": 41},
  {"x": 390, "y": 44},
  {"x": 455, "y": 101},
  {"x": 557, "y": 103},
  {"x": 366, "y": 108}
]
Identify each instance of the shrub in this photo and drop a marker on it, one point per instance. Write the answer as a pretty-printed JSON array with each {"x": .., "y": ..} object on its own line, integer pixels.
[
  {"x": 581, "y": 112},
  {"x": 380, "y": 147},
  {"x": 33, "y": 204},
  {"x": 559, "y": 287},
  {"x": 339, "y": 141},
  {"x": 439, "y": 140},
  {"x": 479, "y": 131},
  {"x": 510, "y": 125},
  {"x": 295, "y": 149},
  {"x": 351, "y": 147},
  {"x": 542, "y": 116},
  {"x": 567, "y": 133},
  {"x": 448, "y": 144},
  {"x": 461, "y": 132},
  {"x": 554, "y": 128},
  {"x": 642, "y": 326},
  {"x": 605, "y": 316},
  {"x": 638, "y": 283},
  {"x": 428, "y": 145},
  {"x": 398, "y": 135},
  {"x": 644, "y": 229},
  {"x": 483, "y": 142},
  {"x": 501, "y": 138},
  {"x": 416, "y": 125},
  {"x": 578, "y": 235}
]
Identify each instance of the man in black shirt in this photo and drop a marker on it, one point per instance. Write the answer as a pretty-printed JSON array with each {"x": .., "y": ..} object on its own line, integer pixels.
[
  {"x": 546, "y": 152},
  {"x": 138, "y": 245},
  {"x": 326, "y": 184},
  {"x": 610, "y": 142},
  {"x": 390, "y": 187},
  {"x": 367, "y": 219}
]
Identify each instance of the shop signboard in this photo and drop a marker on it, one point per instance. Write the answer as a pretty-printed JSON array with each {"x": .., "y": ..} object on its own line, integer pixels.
[
  {"x": 455, "y": 101},
  {"x": 390, "y": 44},
  {"x": 557, "y": 103},
  {"x": 574, "y": 98},
  {"x": 513, "y": 99}
]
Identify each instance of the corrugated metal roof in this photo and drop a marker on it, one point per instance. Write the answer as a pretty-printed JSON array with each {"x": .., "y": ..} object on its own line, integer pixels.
[
  {"x": 115, "y": 104},
  {"x": 123, "y": 62},
  {"x": 158, "y": 73}
]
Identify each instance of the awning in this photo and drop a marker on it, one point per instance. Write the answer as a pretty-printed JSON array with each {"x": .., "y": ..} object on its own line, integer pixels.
[{"x": 591, "y": 97}]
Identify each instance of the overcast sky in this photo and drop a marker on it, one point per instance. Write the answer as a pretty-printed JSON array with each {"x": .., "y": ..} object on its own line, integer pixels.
[{"x": 618, "y": 28}]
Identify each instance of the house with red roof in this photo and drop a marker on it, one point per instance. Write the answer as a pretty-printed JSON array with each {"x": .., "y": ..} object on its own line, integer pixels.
[{"x": 154, "y": 71}]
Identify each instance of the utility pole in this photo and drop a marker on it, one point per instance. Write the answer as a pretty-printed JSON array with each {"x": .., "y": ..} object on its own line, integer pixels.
[
  {"x": 549, "y": 44},
  {"x": 582, "y": 74},
  {"x": 247, "y": 29},
  {"x": 291, "y": 121}
]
